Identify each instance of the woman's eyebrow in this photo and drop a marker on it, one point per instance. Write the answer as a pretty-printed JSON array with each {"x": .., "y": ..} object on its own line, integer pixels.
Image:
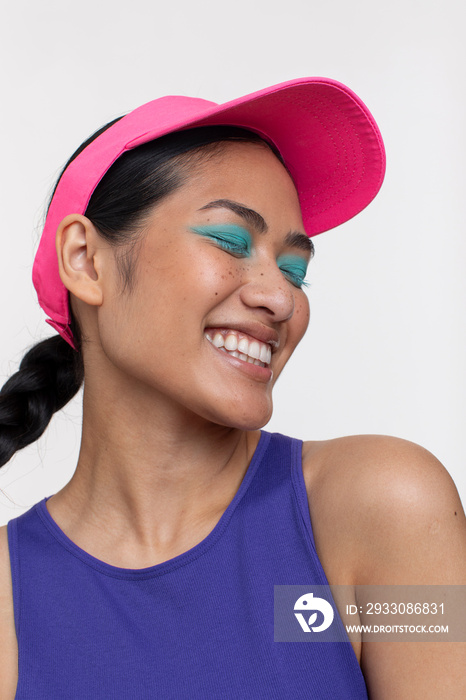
[
  {"x": 301, "y": 241},
  {"x": 295, "y": 239},
  {"x": 253, "y": 218}
]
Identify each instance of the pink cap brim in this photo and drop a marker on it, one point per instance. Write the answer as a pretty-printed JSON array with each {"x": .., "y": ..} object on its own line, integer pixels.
[{"x": 327, "y": 137}]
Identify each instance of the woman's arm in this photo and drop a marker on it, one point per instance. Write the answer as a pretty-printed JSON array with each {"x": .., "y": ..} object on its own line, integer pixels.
[
  {"x": 8, "y": 645},
  {"x": 386, "y": 512}
]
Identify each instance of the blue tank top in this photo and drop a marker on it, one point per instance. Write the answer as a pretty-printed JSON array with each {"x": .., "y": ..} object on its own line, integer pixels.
[{"x": 199, "y": 626}]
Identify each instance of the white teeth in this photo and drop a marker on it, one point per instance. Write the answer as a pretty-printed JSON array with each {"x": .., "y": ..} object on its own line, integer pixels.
[
  {"x": 266, "y": 354},
  {"x": 231, "y": 342},
  {"x": 253, "y": 351},
  {"x": 218, "y": 340},
  {"x": 243, "y": 345}
]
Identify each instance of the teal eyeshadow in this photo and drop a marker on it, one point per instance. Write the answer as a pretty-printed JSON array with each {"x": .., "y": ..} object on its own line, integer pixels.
[
  {"x": 229, "y": 233},
  {"x": 294, "y": 264}
]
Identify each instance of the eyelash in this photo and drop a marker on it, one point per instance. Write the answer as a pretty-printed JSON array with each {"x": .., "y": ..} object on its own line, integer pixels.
[
  {"x": 296, "y": 279},
  {"x": 239, "y": 249},
  {"x": 242, "y": 249}
]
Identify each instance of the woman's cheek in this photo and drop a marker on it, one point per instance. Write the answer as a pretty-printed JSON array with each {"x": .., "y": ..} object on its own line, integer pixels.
[{"x": 301, "y": 316}]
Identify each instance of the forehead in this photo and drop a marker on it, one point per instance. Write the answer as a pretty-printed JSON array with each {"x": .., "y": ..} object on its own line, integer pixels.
[
  {"x": 238, "y": 154},
  {"x": 246, "y": 172}
]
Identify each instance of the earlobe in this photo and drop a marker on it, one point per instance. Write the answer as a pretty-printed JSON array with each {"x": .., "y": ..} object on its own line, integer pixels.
[{"x": 76, "y": 245}]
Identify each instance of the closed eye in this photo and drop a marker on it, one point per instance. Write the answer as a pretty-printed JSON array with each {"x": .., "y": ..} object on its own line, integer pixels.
[
  {"x": 231, "y": 238},
  {"x": 294, "y": 268}
]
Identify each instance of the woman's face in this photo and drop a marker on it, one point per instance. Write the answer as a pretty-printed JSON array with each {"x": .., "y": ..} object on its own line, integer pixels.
[{"x": 217, "y": 308}]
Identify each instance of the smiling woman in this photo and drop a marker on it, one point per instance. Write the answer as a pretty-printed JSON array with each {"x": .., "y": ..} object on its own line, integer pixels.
[{"x": 172, "y": 264}]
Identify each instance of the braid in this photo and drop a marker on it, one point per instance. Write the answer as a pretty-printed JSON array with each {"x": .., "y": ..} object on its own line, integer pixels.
[{"x": 49, "y": 375}]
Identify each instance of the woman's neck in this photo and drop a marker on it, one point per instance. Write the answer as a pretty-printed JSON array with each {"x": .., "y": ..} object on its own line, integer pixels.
[{"x": 152, "y": 478}]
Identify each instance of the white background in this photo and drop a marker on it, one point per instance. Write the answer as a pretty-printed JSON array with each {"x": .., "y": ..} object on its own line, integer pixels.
[{"x": 385, "y": 349}]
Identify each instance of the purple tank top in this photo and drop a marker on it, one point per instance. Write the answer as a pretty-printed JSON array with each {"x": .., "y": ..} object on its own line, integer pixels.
[{"x": 199, "y": 626}]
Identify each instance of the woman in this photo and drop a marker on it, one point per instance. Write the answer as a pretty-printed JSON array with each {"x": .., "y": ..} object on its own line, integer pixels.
[{"x": 172, "y": 264}]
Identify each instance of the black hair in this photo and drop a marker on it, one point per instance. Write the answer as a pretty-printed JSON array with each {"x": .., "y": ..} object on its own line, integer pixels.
[{"x": 51, "y": 372}]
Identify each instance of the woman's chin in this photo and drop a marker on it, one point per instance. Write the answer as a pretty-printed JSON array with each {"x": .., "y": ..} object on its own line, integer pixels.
[{"x": 247, "y": 420}]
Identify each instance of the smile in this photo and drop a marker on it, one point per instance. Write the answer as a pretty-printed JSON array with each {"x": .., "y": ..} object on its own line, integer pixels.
[{"x": 241, "y": 346}]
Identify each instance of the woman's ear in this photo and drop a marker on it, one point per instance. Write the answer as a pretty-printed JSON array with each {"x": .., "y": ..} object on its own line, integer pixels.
[{"x": 80, "y": 252}]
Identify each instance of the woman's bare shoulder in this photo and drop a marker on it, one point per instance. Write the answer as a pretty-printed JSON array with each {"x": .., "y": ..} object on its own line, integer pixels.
[
  {"x": 373, "y": 461},
  {"x": 372, "y": 494},
  {"x": 8, "y": 647},
  {"x": 386, "y": 512}
]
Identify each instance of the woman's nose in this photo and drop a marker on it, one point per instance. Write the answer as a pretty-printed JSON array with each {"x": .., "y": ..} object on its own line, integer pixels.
[{"x": 266, "y": 288}]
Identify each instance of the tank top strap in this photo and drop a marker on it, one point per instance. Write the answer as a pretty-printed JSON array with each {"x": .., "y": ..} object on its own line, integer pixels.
[{"x": 280, "y": 476}]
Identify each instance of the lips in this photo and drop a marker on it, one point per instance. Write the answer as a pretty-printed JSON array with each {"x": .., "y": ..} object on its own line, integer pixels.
[{"x": 241, "y": 345}]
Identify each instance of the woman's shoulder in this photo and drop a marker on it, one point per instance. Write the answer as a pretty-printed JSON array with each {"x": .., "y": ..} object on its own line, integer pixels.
[
  {"x": 381, "y": 505},
  {"x": 378, "y": 469},
  {"x": 8, "y": 647}
]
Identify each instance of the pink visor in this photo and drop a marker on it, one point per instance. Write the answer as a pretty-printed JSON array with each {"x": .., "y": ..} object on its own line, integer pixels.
[{"x": 327, "y": 137}]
